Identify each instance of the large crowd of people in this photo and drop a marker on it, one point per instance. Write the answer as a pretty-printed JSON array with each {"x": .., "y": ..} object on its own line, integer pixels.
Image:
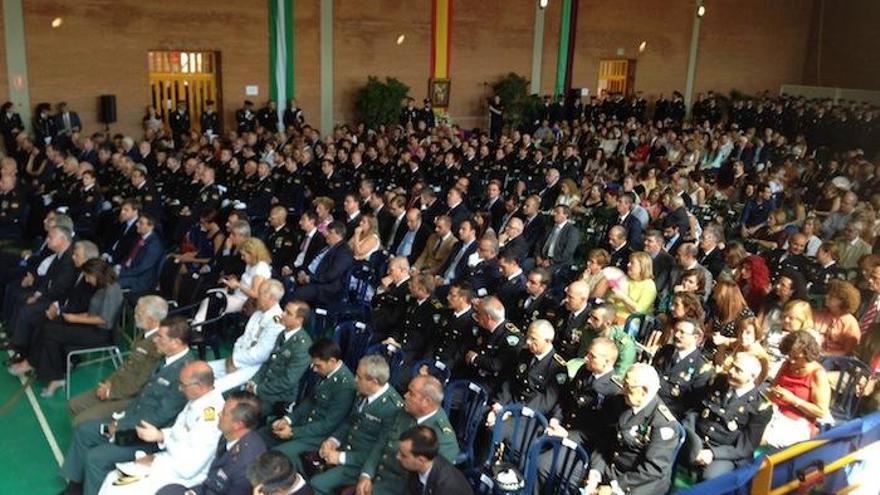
[{"x": 665, "y": 287}]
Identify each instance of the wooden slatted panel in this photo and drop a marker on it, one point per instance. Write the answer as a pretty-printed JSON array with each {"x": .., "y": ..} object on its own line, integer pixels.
[
  {"x": 183, "y": 76},
  {"x": 616, "y": 76}
]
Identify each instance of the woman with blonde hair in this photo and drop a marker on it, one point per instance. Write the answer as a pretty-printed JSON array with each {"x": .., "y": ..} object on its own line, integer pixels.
[
  {"x": 641, "y": 292},
  {"x": 324, "y": 208},
  {"x": 837, "y": 324},
  {"x": 365, "y": 240},
  {"x": 593, "y": 275},
  {"x": 730, "y": 306},
  {"x": 569, "y": 194},
  {"x": 258, "y": 269},
  {"x": 796, "y": 315}
]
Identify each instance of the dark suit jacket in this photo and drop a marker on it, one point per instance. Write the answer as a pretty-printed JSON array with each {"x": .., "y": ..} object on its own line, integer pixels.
[
  {"x": 458, "y": 214},
  {"x": 59, "y": 279},
  {"x": 329, "y": 278},
  {"x": 386, "y": 221},
  {"x": 496, "y": 213},
  {"x": 395, "y": 236},
  {"x": 443, "y": 479},
  {"x": 518, "y": 248},
  {"x": 234, "y": 464},
  {"x": 534, "y": 230},
  {"x": 566, "y": 244},
  {"x": 663, "y": 265},
  {"x": 139, "y": 274},
  {"x": 75, "y": 123},
  {"x": 350, "y": 225},
  {"x": 714, "y": 262},
  {"x": 461, "y": 269},
  {"x": 418, "y": 244},
  {"x": 124, "y": 241},
  {"x": 316, "y": 244},
  {"x": 633, "y": 229}
]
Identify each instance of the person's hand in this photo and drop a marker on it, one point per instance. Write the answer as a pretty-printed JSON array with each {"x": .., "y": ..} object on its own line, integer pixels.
[
  {"x": 491, "y": 418},
  {"x": 604, "y": 490},
  {"x": 52, "y": 312},
  {"x": 31, "y": 300},
  {"x": 705, "y": 457},
  {"x": 25, "y": 254},
  {"x": 332, "y": 457},
  {"x": 719, "y": 340},
  {"x": 230, "y": 365},
  {"x": 282, "y": 429},
  {"x": 782, "y": 394},
  {"x": 386, "y": 281},
  {"x": 424, "y": 371},
  {"x": 111, "y": 428},
  {"x": 102, "y": 392},
  {"x": 149, "y": 433},
  {"x": 146, "y": 460},
  {"x": 27, "y": 280},
  {"x": 364, "y": 486},
  {"x": 286, "y": 271},
  {"x": 326, "y": 448},
  {"x": 470, "y": 356}
]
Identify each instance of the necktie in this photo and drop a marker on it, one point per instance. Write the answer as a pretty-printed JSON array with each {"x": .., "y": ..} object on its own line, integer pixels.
[
  {"x": 437, "y": 245},
  {"x": 67, "y": 122},
  {"x": 869, "y": 316},
  {"x": 362, "y": 403},
  {"x": 134, "y": 251}
]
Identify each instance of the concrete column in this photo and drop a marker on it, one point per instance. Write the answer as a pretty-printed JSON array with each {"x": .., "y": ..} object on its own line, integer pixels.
[
  {"x": 16, "y": 59},
  {"x": 326, "y": 78}
]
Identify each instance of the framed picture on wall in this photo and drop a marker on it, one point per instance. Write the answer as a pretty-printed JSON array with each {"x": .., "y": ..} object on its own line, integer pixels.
[{"x": 439, "y": 91}]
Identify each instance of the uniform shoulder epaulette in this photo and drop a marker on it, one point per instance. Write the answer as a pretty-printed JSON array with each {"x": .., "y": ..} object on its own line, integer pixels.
[
  {"x": 707, "y": 366},
  {"x": 559, "y": 359},
  {"x": 510, "y": 327},
  {"x": 666, "y": 412},
  {"x": 436, "y": 304},
  {"x": 210, "y": 414},
  {"x": 617, "y": 381}
]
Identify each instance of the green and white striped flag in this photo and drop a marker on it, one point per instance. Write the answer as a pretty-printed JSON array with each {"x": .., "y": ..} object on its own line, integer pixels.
[{"x": 281, "y": 53}]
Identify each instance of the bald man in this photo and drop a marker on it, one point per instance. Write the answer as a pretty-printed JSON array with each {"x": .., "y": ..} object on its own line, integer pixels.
[
  {"x": 187, "y": 446},
  {"x": 571, "y": 322},
  {"x": 793, "y": 258}
]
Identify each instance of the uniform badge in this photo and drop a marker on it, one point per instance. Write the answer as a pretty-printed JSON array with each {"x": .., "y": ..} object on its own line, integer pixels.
[
  {"x": 666, "y": 433},
  {"x": 676, "y": 391},
  {"x": 522, "y": 367},
  {"x": 732, "y": 426},
  {"x": 163, "y": 382},
  {"x": 437, "y": 318},
  {"x": 210, "y": 414},
  {"x": 705, "y": 413},
  {"x": 512, "y": 340},
  {"x": 561, "y": 378}
]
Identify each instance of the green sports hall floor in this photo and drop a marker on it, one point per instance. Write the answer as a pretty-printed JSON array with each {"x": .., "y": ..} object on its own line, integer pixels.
[{"x": 27, "y": 462}]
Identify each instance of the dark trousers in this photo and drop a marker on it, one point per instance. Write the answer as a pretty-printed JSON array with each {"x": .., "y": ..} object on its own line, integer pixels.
[
  {"x": 57, "y": 339},
  {"x": 22, "y": 326}
]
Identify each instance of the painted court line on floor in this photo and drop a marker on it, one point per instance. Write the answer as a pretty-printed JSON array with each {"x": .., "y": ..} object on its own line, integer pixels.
[{"x": 41, "y": 419}]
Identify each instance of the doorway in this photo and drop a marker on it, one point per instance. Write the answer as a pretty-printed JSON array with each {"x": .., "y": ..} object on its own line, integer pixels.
[
  {"x": 192, "y": 77},
  {"x": 616, "y": 76}
]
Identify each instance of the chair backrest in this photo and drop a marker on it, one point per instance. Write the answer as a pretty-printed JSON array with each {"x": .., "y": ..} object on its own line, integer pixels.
[
  {"x": 523, "y": 427},
  {"x": 353, "y": 338},
  {"x": 394, "y": 358},
  {"x": 568, "y": 465},
  {"x": 465, "y": 404},
  {"x": 634, "y": 324},
  {"x": 320, "y": 321},
  {"x": 845, "y": 396},
  {"x": 436, "y": 368}
]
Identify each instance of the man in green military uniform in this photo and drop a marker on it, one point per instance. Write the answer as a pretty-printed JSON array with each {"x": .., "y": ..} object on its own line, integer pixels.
[
  {"x": 277, "y": 380},
  {"x": 372, "y": 415},
  {"x": 116, "y": 391},
  {"x": 382, "y": 473},
  {"x": 309, "y": 423},
  {"x": 601, "y": 324},
  {"x": 92, "y": 454}
]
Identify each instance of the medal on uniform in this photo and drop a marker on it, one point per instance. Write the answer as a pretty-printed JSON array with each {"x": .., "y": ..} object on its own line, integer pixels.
[
  {"x": 705, "y": 413},
  {"x": 676, "y": 391},
  {"x": 731, "y": 425}
]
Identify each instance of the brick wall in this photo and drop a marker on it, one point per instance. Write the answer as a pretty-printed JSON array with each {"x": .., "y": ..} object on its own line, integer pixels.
[
  {"x": 101, "y": 48},
  {"x": 745, "y": 44}
]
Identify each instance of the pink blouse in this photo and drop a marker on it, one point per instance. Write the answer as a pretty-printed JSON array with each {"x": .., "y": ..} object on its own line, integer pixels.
[{"x": 840, "y": 335}]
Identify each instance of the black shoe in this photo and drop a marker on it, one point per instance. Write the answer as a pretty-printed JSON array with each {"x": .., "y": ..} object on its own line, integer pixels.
[
  {"x": 73, "y": 488},
  {"x": 16, "y": 358}
]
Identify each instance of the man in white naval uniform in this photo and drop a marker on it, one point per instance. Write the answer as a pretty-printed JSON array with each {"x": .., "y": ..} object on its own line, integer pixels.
[
  {"x": 255, "y": 345},
  {"x": 186, "y": 448}
]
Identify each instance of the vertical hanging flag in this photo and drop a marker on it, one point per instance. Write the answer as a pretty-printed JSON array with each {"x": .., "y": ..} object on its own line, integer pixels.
[
  {"x": 563, "y": 62},
  {"x": 281, "y": 53},
  {"x": 441, "y": 39}
]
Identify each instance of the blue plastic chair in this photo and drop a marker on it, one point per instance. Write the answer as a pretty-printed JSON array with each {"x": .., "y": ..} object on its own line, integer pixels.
[
  {"x": 634, "y": 324},
  {"x": 392, "y": 355},
  {"x": 525, "y": 426},
  {"x": 465, "y": 404},
  {"x": 436, "y": 368},
  {"x": 353, "y": 338},
  {"x": 845, "y": 396},
  {"x": 320, "y": 322},
  {"x": 570, "y": 463}
]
